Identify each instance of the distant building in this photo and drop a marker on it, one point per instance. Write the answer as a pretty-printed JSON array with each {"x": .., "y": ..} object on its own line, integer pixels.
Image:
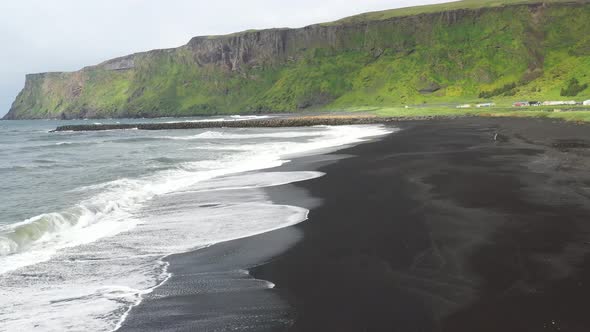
[
  {"x": 535, "y": 103},
  {"x": 559, "y": 103},
  {"x": 485, "y": 105},
  {"x": 521, "y": 104},
  {"x": 464, "y": 106},
  {"x": 587, "y": 103}
]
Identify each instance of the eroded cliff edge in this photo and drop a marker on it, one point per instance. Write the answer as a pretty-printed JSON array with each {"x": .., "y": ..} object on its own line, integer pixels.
[{"x": 432, "y": 57}]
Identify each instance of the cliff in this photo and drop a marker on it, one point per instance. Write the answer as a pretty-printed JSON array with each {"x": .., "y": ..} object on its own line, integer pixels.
[{"x": 432, "y": 54}]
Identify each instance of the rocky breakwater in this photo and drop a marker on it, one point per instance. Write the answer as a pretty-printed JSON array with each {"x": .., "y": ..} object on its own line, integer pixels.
[{"x": 302, "y": 121}]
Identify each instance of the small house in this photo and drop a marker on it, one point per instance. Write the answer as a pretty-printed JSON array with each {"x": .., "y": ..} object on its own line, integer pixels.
[{"x": 587, "y": 103}]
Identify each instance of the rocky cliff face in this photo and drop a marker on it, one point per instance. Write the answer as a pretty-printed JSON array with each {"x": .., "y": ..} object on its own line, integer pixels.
[{"x": 435, "y": 57}]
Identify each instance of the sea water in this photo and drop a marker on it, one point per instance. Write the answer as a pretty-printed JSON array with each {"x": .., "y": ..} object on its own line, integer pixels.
[{"x": 86, "y": 218}]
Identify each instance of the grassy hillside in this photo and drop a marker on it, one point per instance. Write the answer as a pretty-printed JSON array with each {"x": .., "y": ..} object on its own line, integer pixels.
[
  {"x": 448, "y": 6},
  {"x": 469, "y": 51}
]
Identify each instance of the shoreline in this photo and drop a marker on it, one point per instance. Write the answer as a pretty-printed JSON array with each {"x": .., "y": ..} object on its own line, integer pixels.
[
  {"x": 437, "y": 227},
  {"x": 379, "y": 116},
  {"x": 232, "y": 261}
]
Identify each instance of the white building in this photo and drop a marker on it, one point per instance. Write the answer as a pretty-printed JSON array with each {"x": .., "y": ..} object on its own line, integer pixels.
[
  {"x": 559, "y": 103},
  {"x": 587, "y": 102},
  {"x": 485, "y": 105}
]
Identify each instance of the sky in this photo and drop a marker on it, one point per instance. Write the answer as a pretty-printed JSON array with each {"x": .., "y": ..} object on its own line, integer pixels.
[{"x": 66, "y": 35}]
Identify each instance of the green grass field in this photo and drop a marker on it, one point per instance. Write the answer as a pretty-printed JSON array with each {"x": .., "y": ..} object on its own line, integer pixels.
[
  {"x": 575, "y": 114},
  {"x": 417, "y": 10}
]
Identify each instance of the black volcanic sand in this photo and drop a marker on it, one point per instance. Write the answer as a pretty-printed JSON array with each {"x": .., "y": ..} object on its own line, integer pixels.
[{"x": 438, "y": 227}]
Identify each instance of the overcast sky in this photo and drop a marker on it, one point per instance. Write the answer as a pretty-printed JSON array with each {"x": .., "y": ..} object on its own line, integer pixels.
[{"x": 65, "y": 35}]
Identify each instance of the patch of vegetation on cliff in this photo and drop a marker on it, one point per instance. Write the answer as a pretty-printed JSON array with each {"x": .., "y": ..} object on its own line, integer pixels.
[
  {"x": 506, "y": 90},
  {"x": 573, "y": 88}
]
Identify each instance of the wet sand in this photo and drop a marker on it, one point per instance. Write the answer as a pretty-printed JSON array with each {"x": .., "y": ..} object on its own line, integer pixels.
[{"x": 449, "y": 225}]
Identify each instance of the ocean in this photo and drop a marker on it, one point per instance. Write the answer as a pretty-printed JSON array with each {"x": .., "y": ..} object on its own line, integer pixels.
[{"x": 88, "y": 217}]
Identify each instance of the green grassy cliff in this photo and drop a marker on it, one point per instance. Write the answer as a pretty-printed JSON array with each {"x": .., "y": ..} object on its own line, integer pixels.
[{"x": 466, "y": 51}]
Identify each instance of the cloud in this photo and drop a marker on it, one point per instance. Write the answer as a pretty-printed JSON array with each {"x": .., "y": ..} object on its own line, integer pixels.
[{"x": 65, "y": 35}]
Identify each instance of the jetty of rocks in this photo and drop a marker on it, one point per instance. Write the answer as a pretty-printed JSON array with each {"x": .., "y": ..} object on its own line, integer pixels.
[{"x": 278, "y": 122}]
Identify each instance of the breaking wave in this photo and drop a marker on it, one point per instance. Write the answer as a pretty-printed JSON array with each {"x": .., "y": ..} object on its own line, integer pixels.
[{"x": 84, "y": 267}]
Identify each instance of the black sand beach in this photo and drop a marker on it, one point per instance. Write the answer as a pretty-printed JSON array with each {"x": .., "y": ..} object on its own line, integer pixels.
[{"x": 448, "y": 225}]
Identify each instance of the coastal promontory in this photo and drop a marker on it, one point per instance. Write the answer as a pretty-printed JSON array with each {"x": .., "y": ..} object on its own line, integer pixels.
[{"x": 441, "y": 54}]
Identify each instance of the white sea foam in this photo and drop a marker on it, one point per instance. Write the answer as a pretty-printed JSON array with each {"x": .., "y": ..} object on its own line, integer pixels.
[
  {"x": 231, "y": 118},
  {"x": 83, "y": 268},
  {"x": 249, "y": 117},
  {"x": 256, "y": 180},
  {"x": 219, "y": 135}
]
